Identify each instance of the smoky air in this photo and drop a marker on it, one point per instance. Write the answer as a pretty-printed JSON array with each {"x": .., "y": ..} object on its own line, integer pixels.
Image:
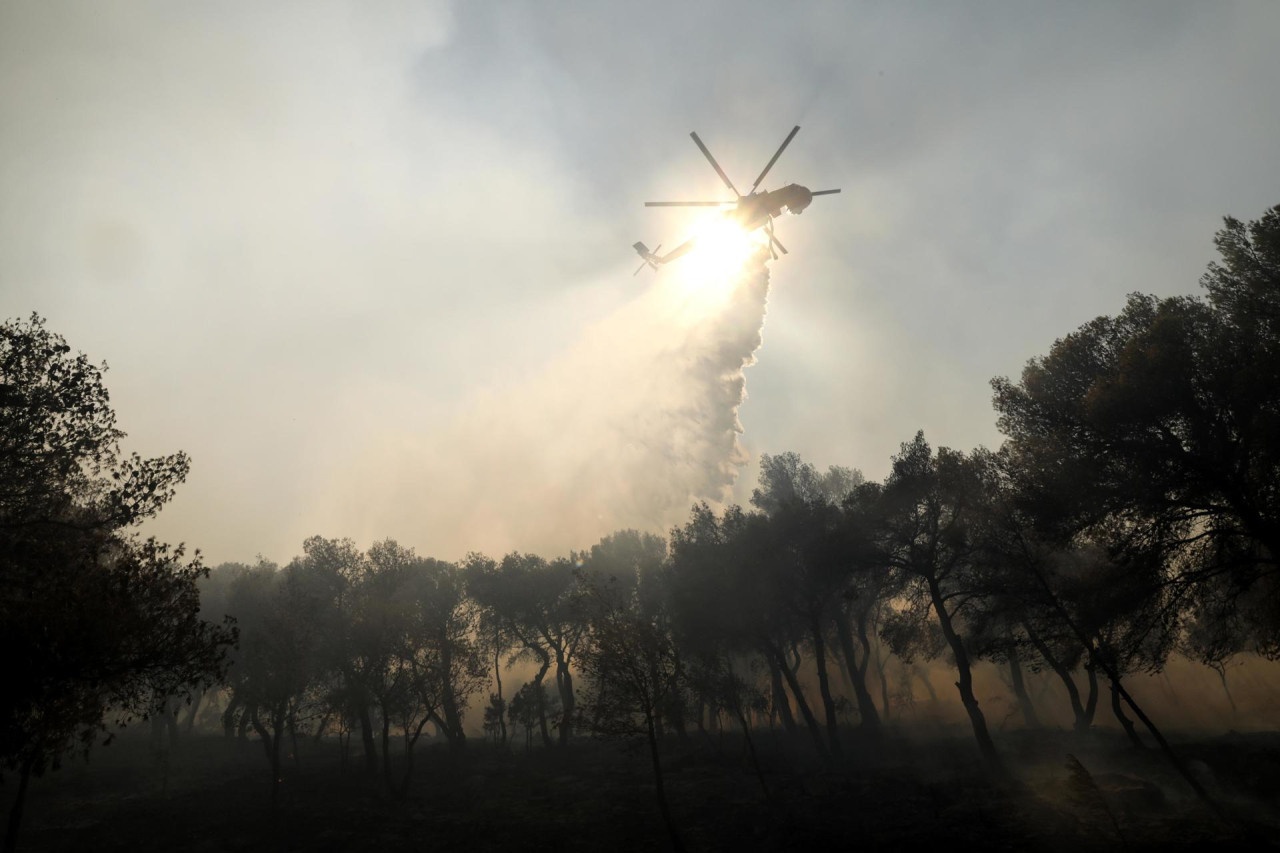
[{"x": 368, "y": 482}]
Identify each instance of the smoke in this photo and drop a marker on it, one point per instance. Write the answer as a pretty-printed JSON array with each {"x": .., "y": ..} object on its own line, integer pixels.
[{"x": 631, "y": 424}]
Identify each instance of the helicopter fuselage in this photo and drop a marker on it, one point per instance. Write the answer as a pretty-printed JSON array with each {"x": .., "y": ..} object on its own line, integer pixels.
[{"x": 755, "y": 210}]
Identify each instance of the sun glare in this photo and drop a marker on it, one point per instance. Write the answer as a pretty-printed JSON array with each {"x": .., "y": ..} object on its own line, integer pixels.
[{"x": 721, "y": 247}]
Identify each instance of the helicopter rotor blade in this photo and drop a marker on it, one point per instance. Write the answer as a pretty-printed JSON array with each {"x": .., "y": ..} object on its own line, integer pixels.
[
  {"x": 825, "y": 192},
  {"x": 781, "y": 148},
  {"x": 689, "y": 203},
  {"x": 728, "y": 183}
]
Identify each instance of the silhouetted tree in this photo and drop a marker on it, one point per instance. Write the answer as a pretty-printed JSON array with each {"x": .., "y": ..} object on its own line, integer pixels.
[
  {"x": 436, "y": 663},
  {"x": 92, "y": 619},
  {"x": 930, "y": 507},
  {"x": 632, "y": 566},
  {"x": 1160, "y": 427},
  {"x": 1154, "y": 434},
  {"x": 535, "y": 601},
  {"x": 495, "y": 719},
  {"x": 354, "y": 647},
  {"x": 527, "y": 709},
  {"x": 828, "y": 572},
  {"x": 632, "y": 670},
  {"x": 725, "y": 591},
  {"x": 280, "y": 654}
]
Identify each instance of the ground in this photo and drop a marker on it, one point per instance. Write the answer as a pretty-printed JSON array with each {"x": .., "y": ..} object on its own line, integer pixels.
[{"x": 911, "y": 792}]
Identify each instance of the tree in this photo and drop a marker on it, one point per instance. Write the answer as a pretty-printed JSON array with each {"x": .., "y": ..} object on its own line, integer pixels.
[
  {"x": 354, "y": 646},
  {"x": 438, "y": 635},
  {"x": 632, "y": 670},
  {"x": 279, "y": 659},
  {"x": 418, "y": 609},
  {"x": 1155, "y": 434},
  {"x": 527, "y": 709},
  {"x": 1015, "y": 622},
  {"x": 929, "y": 511},
  {"x": 728, "y": 597},
  {"x": 632, "y": 566},
  {"x": 495, "y": 719},
  {"x": 832, "y": 577},
  {"x": 1158, "y": 430},
  {"x": 92, "y": 619},
  {"x": 535, "y": 602}
]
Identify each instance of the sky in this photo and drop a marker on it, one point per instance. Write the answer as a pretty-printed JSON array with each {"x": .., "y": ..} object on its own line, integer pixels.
[{"x": 369, "y": 263}]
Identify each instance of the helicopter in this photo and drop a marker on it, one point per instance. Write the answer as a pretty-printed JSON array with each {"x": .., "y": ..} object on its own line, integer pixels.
[{"x": 756, "y": 209}]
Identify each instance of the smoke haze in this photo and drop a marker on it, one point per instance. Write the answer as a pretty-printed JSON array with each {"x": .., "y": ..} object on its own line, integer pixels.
[
  {"x": 305, "y": 234},
  {"x": 636, "y": 420}
]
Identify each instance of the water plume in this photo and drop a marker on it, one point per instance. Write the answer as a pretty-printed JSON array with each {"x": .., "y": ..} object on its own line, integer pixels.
[{"x": 628, "y": 427}]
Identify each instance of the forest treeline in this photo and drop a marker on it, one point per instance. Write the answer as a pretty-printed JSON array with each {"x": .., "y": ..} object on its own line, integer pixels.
[{"x": 1131, "y": 514}]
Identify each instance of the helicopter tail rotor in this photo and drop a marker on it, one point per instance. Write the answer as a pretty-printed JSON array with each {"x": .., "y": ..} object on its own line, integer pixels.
[
  {"x": 651, "y": 259},
  {"x": 774, "y": 241}
]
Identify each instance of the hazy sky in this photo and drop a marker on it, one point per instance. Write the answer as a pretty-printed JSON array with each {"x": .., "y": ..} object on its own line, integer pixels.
[{"x": 370, "y": 265}]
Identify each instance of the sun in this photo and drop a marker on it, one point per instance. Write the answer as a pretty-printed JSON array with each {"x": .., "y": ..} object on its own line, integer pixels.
[{"x": 720, "y": 249}]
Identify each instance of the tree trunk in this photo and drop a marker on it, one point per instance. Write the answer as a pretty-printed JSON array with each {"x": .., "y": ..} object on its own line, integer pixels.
[
  {"x": 1174, "y": 758},
  {"x": 229, "y": 715},
  {"x": 751, "y": 747},
  {"x": 564, "y": 683},
  {"x": 322, "y": 727},
  {"x": 169, "y": 717},
  {"x": 658, "y": 710},
  {"x": 824, "y": 686},
  {"x": 497, "y": 677},
  {"x": 923, "y": 675},
  {"x": 871, "y": 722},
  {"x": 884, "y": 680},
  {"x": 366, "y": 738},
  {"x": 676, "y": 844},
  {"x": 246, "y": 718},
  {"x": 542, "y": 702},
  {"x": 278, "y": 727},
  {"x": 19, "y": 802},
  {"x": 410, "y": 741},
  {"x": 676, "y": 709},
  {"x": 965, "y": 684},
  {"x": 1073, "y": 693},
  {"x": 1095, "y": 659},
  {"x": 189, "y": 723},
  {"x": 1091, "y": 703},
  {"x": 1020, "y": 691},
  {"x": 780, "y": 703},
  {"x": 868, "y": 719},
  {"x": 798, "y": 695},
  {"x": 407, "y": 776},
  {"x": 1222, "y": 676},
  {"x": 293, "y": 738},
  {"x": 1124, "y": 721},
  {"x": 262, "y": 733},
  {"x": 448, "y": 701},
  {"x": 386, "y": 752}
]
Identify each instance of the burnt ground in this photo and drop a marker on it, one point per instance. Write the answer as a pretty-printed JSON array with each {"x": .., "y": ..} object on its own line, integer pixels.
[{"x": 906, "y": 794}]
